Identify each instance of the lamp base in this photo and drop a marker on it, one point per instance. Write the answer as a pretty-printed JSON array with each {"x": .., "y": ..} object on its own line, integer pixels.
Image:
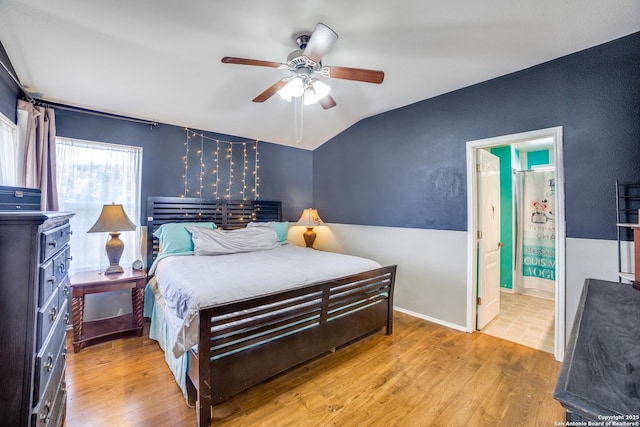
[
  {"x": 114, "y": 269},
  {"x": 114, "y": 248},
  {"x": 309, "y": 237}
]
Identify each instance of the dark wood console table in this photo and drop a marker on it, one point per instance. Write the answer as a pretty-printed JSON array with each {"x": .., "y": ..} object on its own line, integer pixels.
[
  {"x": 92, "y": 282},
  {"x": 600, "y": 375}
]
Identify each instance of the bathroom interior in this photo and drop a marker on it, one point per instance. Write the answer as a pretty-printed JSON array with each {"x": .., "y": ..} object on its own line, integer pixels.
[{"x": 527, "y": 259}]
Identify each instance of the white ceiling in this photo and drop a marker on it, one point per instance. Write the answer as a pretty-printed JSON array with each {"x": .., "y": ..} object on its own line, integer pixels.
[{"x": 160, "y": 59}]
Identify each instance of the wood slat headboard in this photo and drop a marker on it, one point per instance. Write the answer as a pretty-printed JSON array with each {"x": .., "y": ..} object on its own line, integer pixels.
[{"x": 226, "y": 214}]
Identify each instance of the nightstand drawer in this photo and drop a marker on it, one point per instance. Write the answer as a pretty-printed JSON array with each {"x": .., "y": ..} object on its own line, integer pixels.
[
  {"x": 53, "y": 240},
  {"x": 51, "y": 355},
  {"x": 52, "y": 273}
]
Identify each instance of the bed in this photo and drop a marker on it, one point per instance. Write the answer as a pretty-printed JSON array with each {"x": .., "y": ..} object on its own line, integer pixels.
[{"x": 241, "y": 340}]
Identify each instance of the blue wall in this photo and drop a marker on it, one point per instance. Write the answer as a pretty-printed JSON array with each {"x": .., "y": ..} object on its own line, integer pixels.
[
  {"x": 285, "y": 172},
  {"x": 406, "y": 168}
]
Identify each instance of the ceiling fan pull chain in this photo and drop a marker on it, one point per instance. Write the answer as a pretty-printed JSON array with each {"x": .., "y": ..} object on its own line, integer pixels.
[{"x": 298, "y": 108}]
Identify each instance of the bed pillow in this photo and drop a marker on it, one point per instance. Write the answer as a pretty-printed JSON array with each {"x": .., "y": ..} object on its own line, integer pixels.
[
  {"x": 174, "y": 237},
  {"x": 281, "y": 228},
  {"x": 221, "y": 242}
]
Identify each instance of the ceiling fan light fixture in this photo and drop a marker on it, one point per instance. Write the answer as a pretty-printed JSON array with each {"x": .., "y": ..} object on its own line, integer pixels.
[
  {"x": 320, "y": 88},
  {"x": 316, "y": 90},
  {"x": 292, "y": 89}
]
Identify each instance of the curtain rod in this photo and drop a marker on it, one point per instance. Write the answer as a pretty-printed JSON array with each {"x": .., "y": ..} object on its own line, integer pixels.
[{"x": 46, "y": 104}]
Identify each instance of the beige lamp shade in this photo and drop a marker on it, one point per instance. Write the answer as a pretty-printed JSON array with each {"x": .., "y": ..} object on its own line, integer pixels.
[
  {"x": 310, "y": 218},
  {"x": 112, "y": 218}
]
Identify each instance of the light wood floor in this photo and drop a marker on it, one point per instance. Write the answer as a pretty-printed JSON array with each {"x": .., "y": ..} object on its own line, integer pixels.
[{"x": 422, "y": 375}]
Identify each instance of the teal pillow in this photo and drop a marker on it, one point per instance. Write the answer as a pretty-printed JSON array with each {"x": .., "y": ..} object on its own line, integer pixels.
[
  {"x": 282, "y": 230},
  {"x": 174, "y": 237}
]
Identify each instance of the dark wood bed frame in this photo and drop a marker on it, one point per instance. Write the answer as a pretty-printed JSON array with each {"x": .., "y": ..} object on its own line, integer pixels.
[{"x": 236, "y": 349}]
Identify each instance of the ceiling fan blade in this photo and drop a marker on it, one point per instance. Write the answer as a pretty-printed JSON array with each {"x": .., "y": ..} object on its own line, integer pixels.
[
  {"x": 271, "y": 90},
  {"x": 319, "y": 44},
  {"x": 244, "y": 61},
  {"x": 327, "y": 102},
  {"x": 358, "y": 74}
]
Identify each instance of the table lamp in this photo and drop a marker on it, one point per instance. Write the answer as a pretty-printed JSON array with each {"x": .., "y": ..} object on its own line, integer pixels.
[
  {"x": 113, "y": 220},
  {"x": 309, "y": 219}
]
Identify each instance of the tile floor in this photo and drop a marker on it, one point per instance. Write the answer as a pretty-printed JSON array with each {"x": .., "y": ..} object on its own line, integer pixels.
[{"x": 526, "y": 320}]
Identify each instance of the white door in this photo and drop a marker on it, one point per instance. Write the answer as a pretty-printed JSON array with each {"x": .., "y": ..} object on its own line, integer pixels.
[{"x": 488, "y": 237}]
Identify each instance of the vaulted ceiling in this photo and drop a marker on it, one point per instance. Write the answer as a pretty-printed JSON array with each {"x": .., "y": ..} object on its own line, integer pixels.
[{"x": 161, "y": 60}]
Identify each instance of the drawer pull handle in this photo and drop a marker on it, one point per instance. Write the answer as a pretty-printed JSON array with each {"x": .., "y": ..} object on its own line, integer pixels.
[
  {"x": 65, "y": 291},
  {"x": 53, "y": 243},
  {"x": 51, "y": 280},
  {"x": 64, "y": 356},
  {"x": 45, "y": 417},
  {"x": 53, "y": 313},
  {"x": 62, "y": 267},
  {"x": 49, "y": 364},
  {"x": 66, "y": 319}
]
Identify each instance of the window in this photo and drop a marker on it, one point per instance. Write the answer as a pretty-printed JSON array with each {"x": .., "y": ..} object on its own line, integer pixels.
[
  {"x": 8, "y": 152},
  {"x": 90, "y": 175}
]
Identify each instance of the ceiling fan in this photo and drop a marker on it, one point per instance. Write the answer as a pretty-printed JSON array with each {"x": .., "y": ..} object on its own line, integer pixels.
[{"x": 305, "y": 63}]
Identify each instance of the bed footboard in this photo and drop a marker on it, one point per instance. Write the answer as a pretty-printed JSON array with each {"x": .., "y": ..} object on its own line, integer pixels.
[{"x": 245, "y": 342}]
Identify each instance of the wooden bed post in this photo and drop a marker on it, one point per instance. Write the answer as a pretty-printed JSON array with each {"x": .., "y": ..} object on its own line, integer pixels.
[{"x": 204, "y": 372}]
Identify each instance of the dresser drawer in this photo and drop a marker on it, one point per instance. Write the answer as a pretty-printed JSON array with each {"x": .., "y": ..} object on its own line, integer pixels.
[
  {"x": 50, "y": 355},
  {"x": 64, "y": 291},
  {"x": 52, "y": 273},
  {"x": 47, "y": 316},
  {"x": 53, "y": 240},
  {"x": 52, "y": 405}
]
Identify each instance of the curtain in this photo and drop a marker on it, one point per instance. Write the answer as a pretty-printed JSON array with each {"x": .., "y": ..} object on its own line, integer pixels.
[
  {"x": 39, "y": 145},
  {"x": 8, "y": 152},
  {"x": 536, "y": 230},
  {"x": 90, "y": 175}
]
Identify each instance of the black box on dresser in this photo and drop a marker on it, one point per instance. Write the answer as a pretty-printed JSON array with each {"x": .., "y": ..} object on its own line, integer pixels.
[
  {"x": 34, "y": 288},
  {"x": 19, "y": 198}
]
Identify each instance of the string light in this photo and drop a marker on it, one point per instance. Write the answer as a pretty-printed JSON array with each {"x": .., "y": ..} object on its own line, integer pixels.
[
  {"x": 216, "y": 178},
  {"x": 256, "y": 177},
  {"x": 186, "y": 166},
  {"x": 218, "y": 170},
  {"x": 230, "y": 182},
  {"x": 245, "y": 166},
  {"x": 201, "y": 152}
]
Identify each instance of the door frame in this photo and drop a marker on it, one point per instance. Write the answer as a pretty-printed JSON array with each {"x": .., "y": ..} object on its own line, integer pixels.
[{"x": 555, "y": 133}]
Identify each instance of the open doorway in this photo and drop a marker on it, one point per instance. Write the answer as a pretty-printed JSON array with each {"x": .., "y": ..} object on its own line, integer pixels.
[{"x": 534, "y": 270}]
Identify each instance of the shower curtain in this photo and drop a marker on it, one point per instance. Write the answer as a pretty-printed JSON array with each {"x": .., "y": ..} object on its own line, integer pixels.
[{"x": 535, "y": 233}]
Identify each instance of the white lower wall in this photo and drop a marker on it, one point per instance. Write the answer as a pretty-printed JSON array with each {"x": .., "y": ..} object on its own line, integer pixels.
[
  {"x": 431, "y": 279},
  {"x": 596, "y": 259}
]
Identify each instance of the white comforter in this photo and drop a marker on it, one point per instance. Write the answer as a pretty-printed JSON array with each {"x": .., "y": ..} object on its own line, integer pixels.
[{"x": 191, "y": 282}]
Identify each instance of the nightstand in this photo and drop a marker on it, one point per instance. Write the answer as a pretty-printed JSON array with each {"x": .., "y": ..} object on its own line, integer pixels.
[{"x": 93, "y": 282}]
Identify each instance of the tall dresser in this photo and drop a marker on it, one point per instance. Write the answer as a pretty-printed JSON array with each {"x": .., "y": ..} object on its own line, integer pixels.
[{"x": 34, "y": 284}]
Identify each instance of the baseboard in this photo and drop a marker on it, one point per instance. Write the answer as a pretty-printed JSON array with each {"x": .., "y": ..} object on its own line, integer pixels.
[{"x": 431, "y": 319}]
